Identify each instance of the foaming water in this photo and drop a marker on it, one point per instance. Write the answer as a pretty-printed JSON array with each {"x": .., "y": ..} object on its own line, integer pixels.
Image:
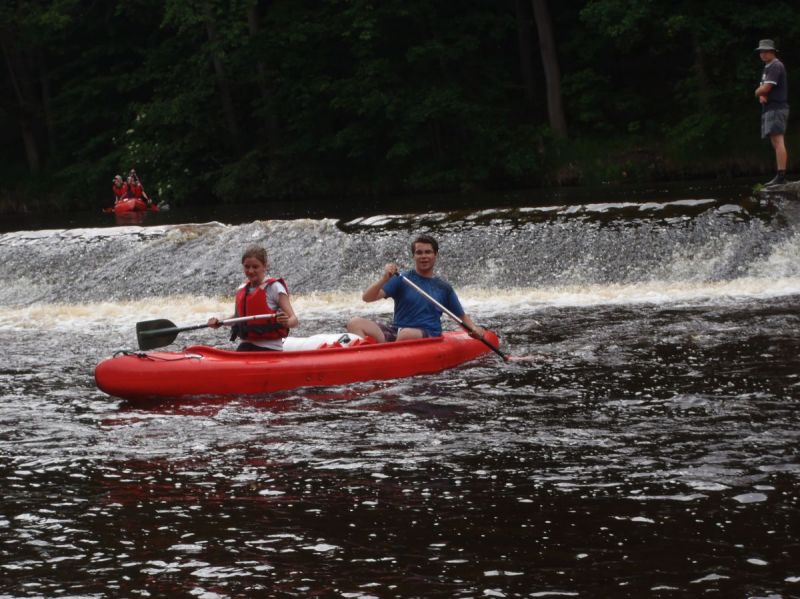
[
  {"x": 672, "y": 244},
  {"x": 341, "y": 305}
]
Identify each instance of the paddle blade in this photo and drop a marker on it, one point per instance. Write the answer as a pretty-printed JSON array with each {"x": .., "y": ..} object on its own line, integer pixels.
[{"x": 151, "y": 334}]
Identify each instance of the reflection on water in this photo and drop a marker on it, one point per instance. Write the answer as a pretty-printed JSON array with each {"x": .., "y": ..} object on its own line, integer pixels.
[{"x": 650, "y": 450}]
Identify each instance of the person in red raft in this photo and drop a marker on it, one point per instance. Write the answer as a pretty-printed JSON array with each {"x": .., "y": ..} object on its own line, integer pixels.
[
  {"x": 261, "y": 295},
  {"x": 414, "y": 316},
  {"x": 120, "y": 188},
  {"x": 135, "y": 188}
]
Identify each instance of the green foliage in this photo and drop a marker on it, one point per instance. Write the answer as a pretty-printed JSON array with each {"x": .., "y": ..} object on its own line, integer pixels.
[{"x": 361, "y": 97}]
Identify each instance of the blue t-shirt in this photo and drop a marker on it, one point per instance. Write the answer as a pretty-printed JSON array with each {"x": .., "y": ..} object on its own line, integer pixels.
[{"x": 413, "y": 310}]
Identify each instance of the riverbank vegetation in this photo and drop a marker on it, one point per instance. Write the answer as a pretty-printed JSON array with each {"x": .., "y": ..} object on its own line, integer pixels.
[{"x": 254, "y": 100}]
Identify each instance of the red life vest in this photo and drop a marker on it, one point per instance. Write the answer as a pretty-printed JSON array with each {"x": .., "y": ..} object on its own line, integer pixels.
[
  {"x": 136, "y": 190},
  {"x": 120, "y": 191},
  {"x": 255, "y": 302}
]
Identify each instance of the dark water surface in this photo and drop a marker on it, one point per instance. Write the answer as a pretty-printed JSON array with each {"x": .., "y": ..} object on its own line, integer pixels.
[
  {"x": 346, "y": 208},
  {"x": 647, "y": 447}
]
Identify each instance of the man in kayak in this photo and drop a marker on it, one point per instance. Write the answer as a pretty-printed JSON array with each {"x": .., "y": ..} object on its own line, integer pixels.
[{"x": 415, "y": 317}]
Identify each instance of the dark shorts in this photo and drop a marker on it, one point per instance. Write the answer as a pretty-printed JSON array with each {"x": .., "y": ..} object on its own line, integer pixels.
[
  {"x": 773, "y": 122},
  {"x": 390, "y": 331}
]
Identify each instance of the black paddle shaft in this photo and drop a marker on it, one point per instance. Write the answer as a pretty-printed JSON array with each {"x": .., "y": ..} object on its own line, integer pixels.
[
  {"x": 463, "y": 324},
  {"x": 151, "y": 334}
]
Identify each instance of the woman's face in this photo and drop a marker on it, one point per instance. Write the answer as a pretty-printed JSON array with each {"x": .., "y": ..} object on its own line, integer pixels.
[{"x": 254, "y": 270}]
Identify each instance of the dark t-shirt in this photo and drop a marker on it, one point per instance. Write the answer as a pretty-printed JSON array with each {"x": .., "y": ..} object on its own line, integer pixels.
[{"x": 778, "y": 97}]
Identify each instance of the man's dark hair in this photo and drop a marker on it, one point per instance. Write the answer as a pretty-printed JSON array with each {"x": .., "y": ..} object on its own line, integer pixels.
[{"x": 425, "y": 239}]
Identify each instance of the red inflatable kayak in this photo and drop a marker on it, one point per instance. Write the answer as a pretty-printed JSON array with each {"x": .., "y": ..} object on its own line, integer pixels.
[
  {"x": 206, "y": 371},
  {"x": 131, "y": 205}
]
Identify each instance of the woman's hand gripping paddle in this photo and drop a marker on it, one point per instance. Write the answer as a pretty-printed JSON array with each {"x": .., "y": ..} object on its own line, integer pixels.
[
  {"x": 151, "y": 334},
  {"x": 463, "y": 324}
]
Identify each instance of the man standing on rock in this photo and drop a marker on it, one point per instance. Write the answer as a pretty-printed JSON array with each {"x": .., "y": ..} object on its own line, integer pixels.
[{"x": 773, "y": 94}]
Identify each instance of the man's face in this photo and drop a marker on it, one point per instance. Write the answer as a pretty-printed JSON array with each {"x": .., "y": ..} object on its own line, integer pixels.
[
  {"x": 767, "y": 55},
  {"x": 424, "y": 257}
]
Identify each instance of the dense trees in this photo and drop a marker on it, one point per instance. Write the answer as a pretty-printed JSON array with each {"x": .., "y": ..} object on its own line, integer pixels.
[{"x": 259, "y": 99}]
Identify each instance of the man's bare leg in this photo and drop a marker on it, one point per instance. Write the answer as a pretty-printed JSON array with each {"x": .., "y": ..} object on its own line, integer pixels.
[
  {"x": 779, "y": 145},
  {"x": 365, "y": 327},
  {"x": 408, "y": 333}
]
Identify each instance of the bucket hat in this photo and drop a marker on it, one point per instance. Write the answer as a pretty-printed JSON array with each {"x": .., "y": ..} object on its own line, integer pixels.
[{"x": 766, "y": 46}]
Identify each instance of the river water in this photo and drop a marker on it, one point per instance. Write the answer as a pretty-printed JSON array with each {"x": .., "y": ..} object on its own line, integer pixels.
[{"x": 646, "y": 445}]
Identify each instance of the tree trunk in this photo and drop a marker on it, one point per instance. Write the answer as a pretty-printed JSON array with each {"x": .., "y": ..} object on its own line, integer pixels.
[
  {"x": 270, "y": 118},
  {"x": 703, "y": 85},
  {"x": 24, "y": 108},
  {"x": 525, "y": 44},
  {"x": 226, "y": 96},
  {"x": 552, "y": 74},
  {"x": 31, "y": 146},
  {"x": 47, "y": 110}
]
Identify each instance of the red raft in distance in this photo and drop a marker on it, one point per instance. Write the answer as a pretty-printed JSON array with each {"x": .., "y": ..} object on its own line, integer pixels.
[
  {"x": 146, "y": 377},
  {"x": 131, "y": 205}
]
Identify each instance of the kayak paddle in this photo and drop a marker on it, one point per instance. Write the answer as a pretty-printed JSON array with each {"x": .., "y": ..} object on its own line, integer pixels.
[
  {"x": 463, "y": 324},
  {"x": 151, "y": 334}
]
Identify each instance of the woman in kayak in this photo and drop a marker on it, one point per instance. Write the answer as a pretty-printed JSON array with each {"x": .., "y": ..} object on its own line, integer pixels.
[
  {"x": 261, "y": 295},
  {"x": 120, "y": 188}
]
